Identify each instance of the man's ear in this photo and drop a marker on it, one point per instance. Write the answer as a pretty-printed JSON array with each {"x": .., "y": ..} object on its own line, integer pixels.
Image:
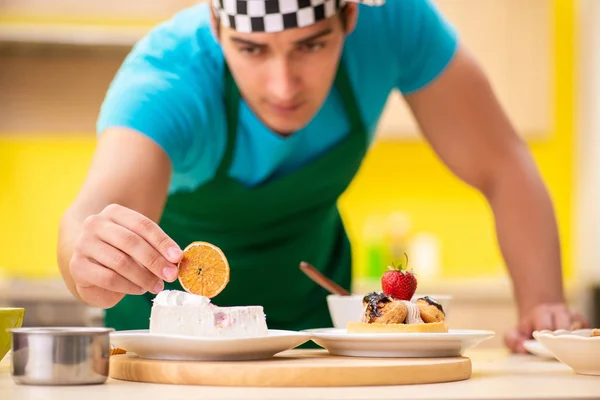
[{"x": 351, "y": 15}]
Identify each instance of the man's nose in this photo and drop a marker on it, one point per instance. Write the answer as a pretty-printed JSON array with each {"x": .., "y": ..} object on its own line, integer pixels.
[{"x": 283, "y": 81}]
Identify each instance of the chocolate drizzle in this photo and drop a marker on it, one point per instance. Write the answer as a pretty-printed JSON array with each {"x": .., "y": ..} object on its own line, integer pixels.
[
  {"x": 372, "y": 300},
  {"x": 433, "y": 303}
]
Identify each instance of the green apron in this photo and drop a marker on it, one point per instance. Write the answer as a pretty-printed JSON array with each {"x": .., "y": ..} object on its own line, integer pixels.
[{"x": 267, "y": 230}]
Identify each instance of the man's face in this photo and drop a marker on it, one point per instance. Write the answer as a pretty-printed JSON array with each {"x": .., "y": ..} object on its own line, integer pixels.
[{"x": 286, "y": 76}]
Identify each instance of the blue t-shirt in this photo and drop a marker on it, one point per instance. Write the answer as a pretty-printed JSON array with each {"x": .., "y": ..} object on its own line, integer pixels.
[{"x": 170, "y": 88}]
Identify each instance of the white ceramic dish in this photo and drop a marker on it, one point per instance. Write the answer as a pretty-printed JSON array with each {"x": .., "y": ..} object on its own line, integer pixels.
[
  {"x": 450, "y": 344},
  {"x": 537, "y": 349},
  {"x": 344, "y": 309},
  {"x": 172, "y": 347},
  {"x": 575, "y": 349}
]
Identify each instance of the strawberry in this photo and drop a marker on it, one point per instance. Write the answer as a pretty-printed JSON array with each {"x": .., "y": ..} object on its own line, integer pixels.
[{"x": 399, "y": 283}]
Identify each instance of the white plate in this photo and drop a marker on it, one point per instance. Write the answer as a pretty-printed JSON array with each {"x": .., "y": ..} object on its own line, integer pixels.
[
  {"x": 450, "y": 344},
  {"x": 173, "y": 347},
  {"x": 538, "y": 349}
]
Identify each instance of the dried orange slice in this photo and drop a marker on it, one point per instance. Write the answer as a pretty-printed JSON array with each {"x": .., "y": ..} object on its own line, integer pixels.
[{"x": 204, "y": 269}]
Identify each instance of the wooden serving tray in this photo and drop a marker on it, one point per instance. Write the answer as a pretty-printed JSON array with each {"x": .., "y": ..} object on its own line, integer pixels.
[{"x": 293, "y": 368}]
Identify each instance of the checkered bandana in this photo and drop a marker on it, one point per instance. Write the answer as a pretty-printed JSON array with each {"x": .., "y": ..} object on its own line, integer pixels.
[{"x": 278, "y": 15}]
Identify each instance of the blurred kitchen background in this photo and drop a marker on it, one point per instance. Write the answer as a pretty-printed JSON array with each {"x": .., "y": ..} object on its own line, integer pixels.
[{"x": 57, "y": 58}]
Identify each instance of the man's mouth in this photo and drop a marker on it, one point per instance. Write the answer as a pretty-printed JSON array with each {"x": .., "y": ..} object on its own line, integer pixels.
[{"x": 285, "y": 108}]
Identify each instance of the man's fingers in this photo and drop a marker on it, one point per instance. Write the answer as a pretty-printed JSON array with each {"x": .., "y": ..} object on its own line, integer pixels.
[
  {"x": 138, "y": 249},
  {"x": 553, "y": 317},
  {"x": 562, "y": 319},
  {"x": 579, "y": 321},
  {"x": 147, "y": 229},
  {"x": 110, "y": 257},
  {"x": 542, "y": 319},
  {"x": 511, "y": 339},
  {"x": 525, "y": 327},
  {"x": 514, "y": 341},
  {"x": 99, "y": 297},
  {"x": 88, "y": 273}
]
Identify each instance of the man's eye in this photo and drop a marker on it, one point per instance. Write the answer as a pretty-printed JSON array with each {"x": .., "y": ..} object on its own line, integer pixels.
[
  {"x": 312, "y": 47},
  {"x": 252, "y": 51}
]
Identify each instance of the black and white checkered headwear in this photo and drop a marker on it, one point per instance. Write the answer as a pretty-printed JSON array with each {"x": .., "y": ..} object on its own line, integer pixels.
[{"x": 278, "y": 15}]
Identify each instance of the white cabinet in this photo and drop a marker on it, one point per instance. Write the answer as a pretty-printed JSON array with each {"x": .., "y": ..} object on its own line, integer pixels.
[{"x": 513, "y": 41}]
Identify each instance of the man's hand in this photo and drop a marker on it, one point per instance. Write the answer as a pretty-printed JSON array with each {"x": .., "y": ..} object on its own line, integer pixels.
[
  {"x": 109, "y": 241},
  {"x": 550, "y": 316},
  {"x": 119, "y": 252}
]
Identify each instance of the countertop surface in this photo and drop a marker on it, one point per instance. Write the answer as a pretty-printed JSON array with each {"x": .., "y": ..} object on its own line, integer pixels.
[{"x": 496, "y": 375}]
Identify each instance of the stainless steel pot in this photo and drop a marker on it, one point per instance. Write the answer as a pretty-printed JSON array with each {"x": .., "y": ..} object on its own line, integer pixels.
[{"x": 60, "y": 356}]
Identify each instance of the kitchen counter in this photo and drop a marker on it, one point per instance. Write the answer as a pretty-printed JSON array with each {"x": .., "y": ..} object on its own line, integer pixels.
[{"x": 496, "y": 375}]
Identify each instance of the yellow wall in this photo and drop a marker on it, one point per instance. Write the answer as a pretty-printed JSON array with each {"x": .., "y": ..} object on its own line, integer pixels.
[
  {"x": 40, "y": 176},
  {"x": 437, "y": 202}
]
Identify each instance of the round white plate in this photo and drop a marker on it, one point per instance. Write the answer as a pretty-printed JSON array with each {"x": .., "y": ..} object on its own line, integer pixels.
[
  {"x": 537, "y": 349},
  {"x": 451, "y": 344},
  {"x": 173, "y": 347}
]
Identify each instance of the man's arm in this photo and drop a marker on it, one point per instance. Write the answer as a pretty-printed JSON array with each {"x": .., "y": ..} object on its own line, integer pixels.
[
  {"x": 130, "y": 170},
  {"x": 464, "y": 123}
]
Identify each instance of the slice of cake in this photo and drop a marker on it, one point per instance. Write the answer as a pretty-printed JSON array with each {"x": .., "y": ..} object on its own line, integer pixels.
[{"x": 176, "y": 312}]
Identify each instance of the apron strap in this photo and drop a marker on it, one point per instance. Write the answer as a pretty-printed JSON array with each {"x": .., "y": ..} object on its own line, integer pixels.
[
  {"x": 232, "y": 105},
  {"x": 344, "y": 87}
]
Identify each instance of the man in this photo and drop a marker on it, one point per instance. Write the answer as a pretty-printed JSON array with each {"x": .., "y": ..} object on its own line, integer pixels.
[{"x": 240, "y": 123}]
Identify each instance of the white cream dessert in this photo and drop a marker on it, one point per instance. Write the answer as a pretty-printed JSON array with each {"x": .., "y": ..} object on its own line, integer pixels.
[
  {"x": 413, "y": 314},
  {"x": 176, "y": 312}
]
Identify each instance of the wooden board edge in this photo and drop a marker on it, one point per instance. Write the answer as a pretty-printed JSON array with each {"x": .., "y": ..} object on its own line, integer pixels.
[{"x": 217, "y": 374}]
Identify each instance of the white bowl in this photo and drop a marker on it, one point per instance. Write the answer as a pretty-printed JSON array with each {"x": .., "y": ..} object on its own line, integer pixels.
[
  {"x": 344, "y": 309},
  {"x": 575, "y": 349}
]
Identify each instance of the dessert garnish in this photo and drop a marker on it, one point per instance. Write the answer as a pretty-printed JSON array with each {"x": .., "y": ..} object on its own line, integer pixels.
[
  {"x": 400, "y": 282},
  {"x": 204, "y": 269}
]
